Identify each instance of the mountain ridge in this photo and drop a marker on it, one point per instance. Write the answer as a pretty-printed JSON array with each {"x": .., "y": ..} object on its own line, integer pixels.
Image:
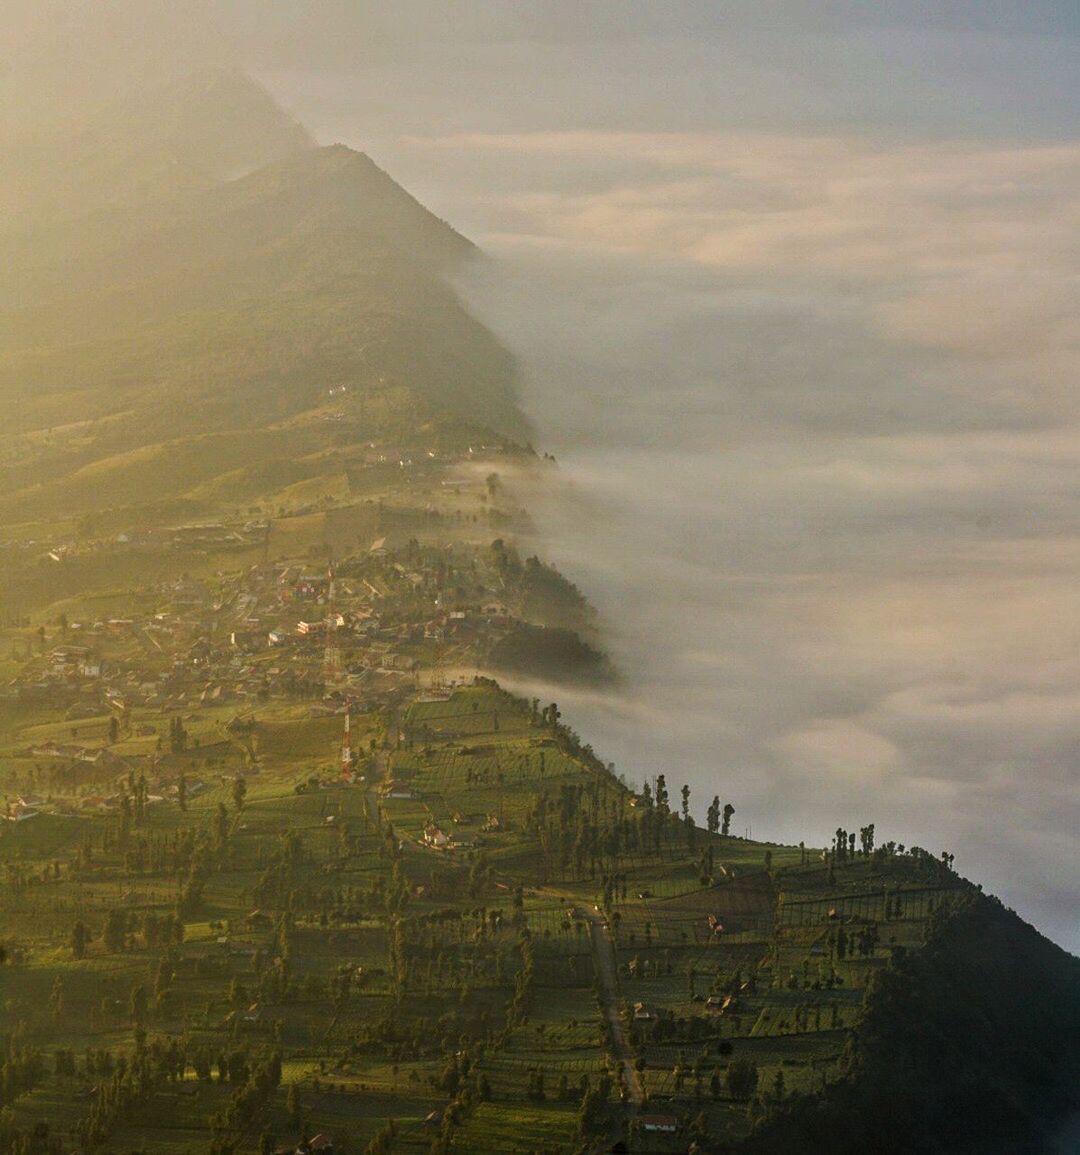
[
  {"x": 180, "y": 133},
  {"x": 230, "y": 305}
]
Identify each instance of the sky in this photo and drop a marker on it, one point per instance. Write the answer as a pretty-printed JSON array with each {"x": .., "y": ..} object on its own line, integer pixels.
[{"x": 794, "y": 289}]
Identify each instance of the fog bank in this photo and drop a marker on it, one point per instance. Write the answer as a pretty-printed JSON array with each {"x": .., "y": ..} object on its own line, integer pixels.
[
  {"x": 795, "y": 305},
  {"x": 819, "y": 469}
]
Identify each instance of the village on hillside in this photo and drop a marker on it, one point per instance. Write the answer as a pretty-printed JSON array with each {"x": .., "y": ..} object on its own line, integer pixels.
[
  {"x": 170, "y": 683},
  {"x": 288, "y": 871}
]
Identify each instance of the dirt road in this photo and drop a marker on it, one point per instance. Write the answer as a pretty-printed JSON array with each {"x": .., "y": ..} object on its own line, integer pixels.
[{"x": 604, "y": 956}]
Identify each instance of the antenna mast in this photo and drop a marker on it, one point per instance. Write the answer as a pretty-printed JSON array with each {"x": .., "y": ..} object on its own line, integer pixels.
[
  {"x": 332, "y": 654},
  {"x": 346, "y": 751}
]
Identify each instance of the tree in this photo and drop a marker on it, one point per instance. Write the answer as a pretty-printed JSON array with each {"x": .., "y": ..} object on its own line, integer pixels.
[
  {"x": 729, "y": 812},
  {"x": 56, "y": 999},
  {"x": 181, "y": 791},
  {"x": 778, "y": 1085},
  {"x": 114, "y": 730},
  {"x": 79, "y": 939},
  {"x": 383, "y": 1142},
  {"x": 115, "y": 933},
  {"x": 221, "y": 824},
  {"x": 138, "y": 1004},
  {"x": 712, "y": 818},
  {"x": 239, "y": 792},
  {"x": 177, "y": 736},
  {"x": 866, "y": 837},
  {"x": 742, "y": 1078},
  {"x": 685, "y": 792}
]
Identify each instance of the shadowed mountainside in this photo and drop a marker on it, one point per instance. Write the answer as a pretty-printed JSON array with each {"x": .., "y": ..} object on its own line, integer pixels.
[{"x": 967, "y": 1046}]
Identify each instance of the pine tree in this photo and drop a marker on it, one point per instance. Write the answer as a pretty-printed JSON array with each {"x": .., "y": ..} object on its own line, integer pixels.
[
  {"x": 79, "y": 939},
  {"x": 56, "y": 999}
]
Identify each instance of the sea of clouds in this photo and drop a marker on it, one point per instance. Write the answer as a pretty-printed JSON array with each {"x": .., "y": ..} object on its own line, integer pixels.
[
  {"x": 797, "y": 314},
  {"x": 820, "y": 468}
]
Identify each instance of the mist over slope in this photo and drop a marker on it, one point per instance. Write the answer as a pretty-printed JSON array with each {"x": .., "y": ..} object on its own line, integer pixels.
[{"x": 187, "y": 262}]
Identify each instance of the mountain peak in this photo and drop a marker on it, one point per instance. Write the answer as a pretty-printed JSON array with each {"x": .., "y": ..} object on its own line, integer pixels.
[{"x": 339, "y": 185}]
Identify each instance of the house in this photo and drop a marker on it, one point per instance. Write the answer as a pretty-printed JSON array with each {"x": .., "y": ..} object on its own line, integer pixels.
[
  {"x": 642, "y": 1014},
  {"x": 435, "y": 838},
  {"x": 395, "y": 789},
  {"x": 659, "y": 1124},
  {"x": 311, "y": 586}
]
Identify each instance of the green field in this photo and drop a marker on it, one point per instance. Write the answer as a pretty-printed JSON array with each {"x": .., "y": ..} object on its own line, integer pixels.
[{"x": 396, "y": 979}]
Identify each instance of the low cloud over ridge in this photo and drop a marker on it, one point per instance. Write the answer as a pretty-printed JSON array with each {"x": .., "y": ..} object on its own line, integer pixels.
[{"x": 822, "y": 470}]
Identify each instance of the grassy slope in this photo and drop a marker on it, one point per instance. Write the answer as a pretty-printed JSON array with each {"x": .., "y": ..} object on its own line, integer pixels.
[
  {"x": 127, "y": 336},
  {"x": 973, "y": 1027}
]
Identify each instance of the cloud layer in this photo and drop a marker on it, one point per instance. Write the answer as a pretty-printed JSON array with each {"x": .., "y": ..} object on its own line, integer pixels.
[{"x": 821, "y": 466}]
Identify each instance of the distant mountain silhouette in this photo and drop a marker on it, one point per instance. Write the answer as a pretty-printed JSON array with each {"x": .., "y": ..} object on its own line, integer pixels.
[{"x": 179, "y": 134}]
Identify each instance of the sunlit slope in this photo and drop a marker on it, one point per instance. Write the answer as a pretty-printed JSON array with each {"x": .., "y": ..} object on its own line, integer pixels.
[{"x": 229, "y": 309}]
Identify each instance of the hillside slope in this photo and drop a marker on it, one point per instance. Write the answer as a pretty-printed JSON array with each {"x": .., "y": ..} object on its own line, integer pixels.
[{"x": 224, "y": 305}]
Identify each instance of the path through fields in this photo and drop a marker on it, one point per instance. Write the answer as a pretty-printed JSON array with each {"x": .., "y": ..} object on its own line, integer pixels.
[{"x": 604, "y": 956}]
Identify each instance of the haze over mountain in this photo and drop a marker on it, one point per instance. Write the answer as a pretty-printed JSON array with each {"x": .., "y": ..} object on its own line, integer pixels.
[
  {"x": 185, "y": 263},
  {"x": 158, "y": 139}
]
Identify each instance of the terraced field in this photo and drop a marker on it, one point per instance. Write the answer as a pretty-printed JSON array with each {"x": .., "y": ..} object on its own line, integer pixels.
[{"x": 445, "y": 988}]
